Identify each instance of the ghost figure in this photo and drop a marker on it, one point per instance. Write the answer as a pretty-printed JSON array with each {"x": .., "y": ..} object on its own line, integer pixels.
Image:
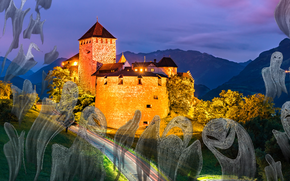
[
  {"x": 82, "y": 159},
  {"x": 220, "y": 133},
  {"x": 282, "y": 16},
  {"x": 283, "y": 137},
  {"x": 42, "y": 3},
  {"x": 23, "y": 99},
  {"x": 274, "y": 76},
  {"x": 17, "y": 17},
  {"x": 14, "y": 150},
  {"x": 4, "y": 5},
  {"x": 173, "y": 154},
  {"x": 52, "y": 119},
  {"x": 274, "y": 170},
  {"x": 125, "y": 136},
  {"x": 22, "y": 63},
  {"x": 34, "y": 27},
  {"x": 147, "y": 147},
  {"x": 51, "y": 56}
]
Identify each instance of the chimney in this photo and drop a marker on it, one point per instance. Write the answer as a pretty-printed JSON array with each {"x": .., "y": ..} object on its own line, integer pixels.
[{"x": 154, "y": 60}]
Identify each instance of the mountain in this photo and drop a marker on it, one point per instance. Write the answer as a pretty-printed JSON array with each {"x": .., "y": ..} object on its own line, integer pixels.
[
  {"x": 250, "y": 81},
  {"x": 7, "y": 63},
  {"x": 37, "y": 76},
  {"x": 244, "y": 64},
  {"x": 200, "y": 90},
  {"x": 205, "y": 69}
]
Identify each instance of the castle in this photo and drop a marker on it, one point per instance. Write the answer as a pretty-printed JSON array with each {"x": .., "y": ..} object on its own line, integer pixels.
[{"x": 120, "y": 88}]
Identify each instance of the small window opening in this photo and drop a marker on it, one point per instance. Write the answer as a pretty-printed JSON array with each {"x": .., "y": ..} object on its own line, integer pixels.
[
  {"x": 120, "y": 80},
  {"x": 105, "y": 81},
  {"x": 148, "y": 106},
  {"x": 145, "y": 123},
  {"x": 111, "y": 41},
  {"x": 155, "y": 97},
  {"x": 152, "y": 70},
  {"x": 159, "y": 81}
]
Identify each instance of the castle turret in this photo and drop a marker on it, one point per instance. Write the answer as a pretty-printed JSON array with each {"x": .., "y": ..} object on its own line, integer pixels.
[{"x": 96, "y": 45}]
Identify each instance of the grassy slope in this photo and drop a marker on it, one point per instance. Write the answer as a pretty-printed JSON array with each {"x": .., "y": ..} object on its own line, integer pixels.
[{"x": 65, "y": 139}]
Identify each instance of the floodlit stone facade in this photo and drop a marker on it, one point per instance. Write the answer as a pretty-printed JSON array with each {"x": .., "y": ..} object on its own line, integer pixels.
[
  {"x": 119, "y": 101},
  {"x": 120, "y": 88}
]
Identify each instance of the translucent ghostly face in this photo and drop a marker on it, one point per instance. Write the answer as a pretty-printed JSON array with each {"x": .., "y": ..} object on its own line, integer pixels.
[{"x": 276, "y": 59}]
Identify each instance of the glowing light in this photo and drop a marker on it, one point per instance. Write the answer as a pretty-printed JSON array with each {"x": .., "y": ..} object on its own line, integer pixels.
[
  {"x": 141, "y": 70},
  {"x": 75, "y": 63},
  {"x": 62, "y": 63},
  {"x": 287, "y": 71},
  {"x": 136, "y": 70}
]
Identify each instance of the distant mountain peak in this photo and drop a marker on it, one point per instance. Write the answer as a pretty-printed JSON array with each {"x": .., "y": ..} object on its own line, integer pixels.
[{"x": 284, "y": 42}]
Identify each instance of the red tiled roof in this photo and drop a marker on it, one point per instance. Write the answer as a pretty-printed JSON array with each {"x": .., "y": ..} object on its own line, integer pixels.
[
  {"x": 166, "y": 62},
  {"x": 97, "y": 30},
  {"x": 75, "y": 57},
  {"x": 111, "y": 66},
  {"x": 142, "y": 64},
  {"x": 129, "y": 73}
]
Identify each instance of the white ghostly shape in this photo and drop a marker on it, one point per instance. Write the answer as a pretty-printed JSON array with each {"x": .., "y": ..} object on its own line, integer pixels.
[
  {"x": 147, "y": 147},
  {"x": 34, "y": 27},
  {"x": 52, "y": 119},
  {"x": 220, "y": 133},
  {"x": 173, "y": 154},
  {"x": 17, "y": 17},
  {"x": 23, "y": 100},
  {"x": 274, "y": 76},
  {"x": 13, "y": 150},
  {"x": 81, "y": 159},
  {"x": 282, "y": 16},
  {"x": 43, "y": 4},
  {"x": 51, "y": 56},
  {"x": 125, "y": 136},
  {"x": 283, "y": 137},
  {"x": 274, "y": 170},
  {"x": 4, "y": 5},
  {"x": 22, "y": 63}
]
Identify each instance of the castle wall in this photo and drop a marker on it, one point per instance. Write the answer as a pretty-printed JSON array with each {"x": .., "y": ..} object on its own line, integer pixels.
[
  {"x": 85, "y": 69},
  {"x": 119, "y": 102},
  {"x": 92, "y": 50}
]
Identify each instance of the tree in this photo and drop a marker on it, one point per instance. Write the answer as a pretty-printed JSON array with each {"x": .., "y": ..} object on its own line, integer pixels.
[
  {"x": 59, "y": 77},
  {"x": 232, "y": 105},
  {"x": 180, "y": 94},
  {"x": 5, "y": 90}
]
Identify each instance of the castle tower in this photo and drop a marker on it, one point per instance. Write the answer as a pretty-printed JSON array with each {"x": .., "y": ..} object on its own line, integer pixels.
[{"x": 96, "y": 45}]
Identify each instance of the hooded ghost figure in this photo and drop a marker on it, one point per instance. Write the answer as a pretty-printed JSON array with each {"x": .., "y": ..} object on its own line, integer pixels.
[{"x": 274, "y": 76}]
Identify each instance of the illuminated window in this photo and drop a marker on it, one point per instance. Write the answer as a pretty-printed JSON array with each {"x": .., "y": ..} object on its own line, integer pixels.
[
  {"x": 136, "y": 70},
  {"x": 75, "y": 63},
  {"x": 152, "y": 70},
  {"x": 155, "y": 97},
  {"x": 148, "y": 106},
  {"x": 145, "y": 70},
  {"x": 111, "y": 41},
  {"x": 106, "y": 40}
]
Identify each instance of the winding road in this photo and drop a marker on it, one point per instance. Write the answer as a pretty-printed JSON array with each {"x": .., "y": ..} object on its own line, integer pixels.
[{"x": 130, "y": 160}]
